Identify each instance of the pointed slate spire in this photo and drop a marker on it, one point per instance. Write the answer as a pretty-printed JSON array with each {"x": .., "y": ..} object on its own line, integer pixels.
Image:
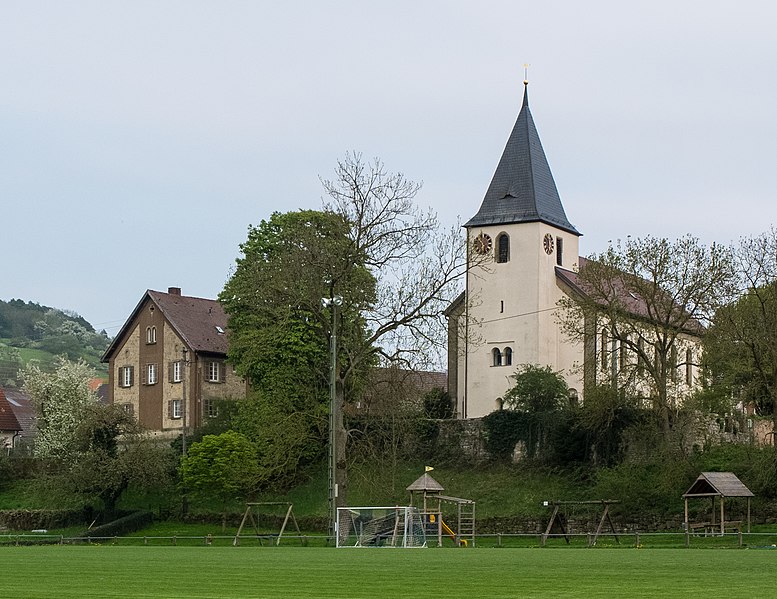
[{"x": 522, "y": 189}]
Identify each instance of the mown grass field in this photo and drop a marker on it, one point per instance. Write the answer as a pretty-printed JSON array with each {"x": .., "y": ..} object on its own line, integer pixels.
[{"x": 109, "y": 571}]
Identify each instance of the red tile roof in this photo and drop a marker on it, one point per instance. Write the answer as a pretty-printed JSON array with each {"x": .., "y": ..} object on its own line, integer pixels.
[{"x": 8, "y": 421}]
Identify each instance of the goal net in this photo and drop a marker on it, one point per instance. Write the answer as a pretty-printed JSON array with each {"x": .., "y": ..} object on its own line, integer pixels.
[{"x": 380, "y": 527}]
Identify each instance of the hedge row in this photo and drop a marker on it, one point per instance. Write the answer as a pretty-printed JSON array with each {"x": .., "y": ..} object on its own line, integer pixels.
[{"x": 38, "y": 519}]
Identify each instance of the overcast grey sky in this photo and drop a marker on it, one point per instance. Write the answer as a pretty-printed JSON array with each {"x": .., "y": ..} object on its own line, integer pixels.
[{"x": 139, "y": 139}]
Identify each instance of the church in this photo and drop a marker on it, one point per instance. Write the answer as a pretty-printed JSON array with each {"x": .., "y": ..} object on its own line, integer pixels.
[{"x": 523, "y": 256}]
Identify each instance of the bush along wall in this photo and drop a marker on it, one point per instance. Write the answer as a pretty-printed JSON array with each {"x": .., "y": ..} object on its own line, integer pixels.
[{"x": 27, "y": 520}]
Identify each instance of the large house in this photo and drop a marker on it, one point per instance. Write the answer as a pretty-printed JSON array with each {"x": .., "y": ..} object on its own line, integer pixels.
[
  {"x": 524, "y": 255},
  {"x": 168, "y": 365}
]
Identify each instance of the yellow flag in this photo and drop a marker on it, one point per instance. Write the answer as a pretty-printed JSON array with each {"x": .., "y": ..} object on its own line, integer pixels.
[{"x": 428, "y": 468}]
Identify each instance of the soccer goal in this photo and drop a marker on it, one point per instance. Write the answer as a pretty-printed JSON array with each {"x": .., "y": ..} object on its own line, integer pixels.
[{"x": 397, "y": 526}]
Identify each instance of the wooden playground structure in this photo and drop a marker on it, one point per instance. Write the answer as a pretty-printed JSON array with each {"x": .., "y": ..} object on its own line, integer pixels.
[
  {"x": 558, "y": 525},
  {"x": 425, "y": 493},
  {"x": 257, "y": 507}
]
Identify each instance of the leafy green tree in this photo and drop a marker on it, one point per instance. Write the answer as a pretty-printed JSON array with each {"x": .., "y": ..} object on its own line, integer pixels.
[
  {"x": 741, "y": 348},
  {"x": 652, "y": 297},
  {"x": 62, "y": 400},
  {"x": 94, "y": 450},
  {"x": 388, "y": 260},
  {"x": 222, "y": 466},
  {"x": 540, "y": 394}
]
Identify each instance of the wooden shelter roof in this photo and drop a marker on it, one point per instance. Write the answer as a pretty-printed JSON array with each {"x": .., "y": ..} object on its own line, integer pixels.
[
  {"x": 425, "y": 483},
  {"x": 723, "y": 484}
]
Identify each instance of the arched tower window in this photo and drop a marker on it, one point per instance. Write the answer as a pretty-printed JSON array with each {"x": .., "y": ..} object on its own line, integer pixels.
[
  {"x": 503, "y": 248},
  {"x": 496, "y": 357},
  {"x": 508, "y": 356}
]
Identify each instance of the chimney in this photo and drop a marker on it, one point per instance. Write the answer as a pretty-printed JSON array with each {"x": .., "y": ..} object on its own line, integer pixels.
[{"x": 174, "y": 290}]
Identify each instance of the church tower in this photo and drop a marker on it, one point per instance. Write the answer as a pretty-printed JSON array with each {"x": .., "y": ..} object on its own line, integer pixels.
[{"x": 518, "y": 242}]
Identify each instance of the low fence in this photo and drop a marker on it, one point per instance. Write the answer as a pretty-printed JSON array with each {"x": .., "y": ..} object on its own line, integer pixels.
[{"x": 638, "y": 540}]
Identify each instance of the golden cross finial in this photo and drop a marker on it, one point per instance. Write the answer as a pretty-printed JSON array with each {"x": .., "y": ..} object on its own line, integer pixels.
[{"x": 526, "y": 73}]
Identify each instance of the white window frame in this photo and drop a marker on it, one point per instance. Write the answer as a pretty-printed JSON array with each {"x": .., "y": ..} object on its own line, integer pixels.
[
  {"x": 125, "y": 373},
  {"x": 150, "y": 335},
  {"x": 214, "y": 372},
  {"x": 177, "y": 371},
  {"x": 176, "y": 409},
  {"x": 151, "y": 374}
]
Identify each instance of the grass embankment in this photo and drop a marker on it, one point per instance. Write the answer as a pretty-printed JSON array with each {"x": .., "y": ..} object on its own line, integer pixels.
[{"x": 304, "y": 572}]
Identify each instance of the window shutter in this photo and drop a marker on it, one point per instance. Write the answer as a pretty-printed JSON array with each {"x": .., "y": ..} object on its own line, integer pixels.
[
  {"x": 170, "y": 366},
  {"x": 121, "y": 376},
  {"x": 144, "y": 376},
  {"x": 170, "y": 409},
  {"x": 131, "y": 375},
  {"x": 222, "y": 372}
]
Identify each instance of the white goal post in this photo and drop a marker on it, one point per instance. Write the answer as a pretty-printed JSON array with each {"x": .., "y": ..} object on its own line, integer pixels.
[{"x": 396, "y": 526}]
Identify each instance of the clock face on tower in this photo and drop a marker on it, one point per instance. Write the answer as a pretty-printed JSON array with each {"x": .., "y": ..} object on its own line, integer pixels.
[
  {"x": 547, "y": 243},
  {"x": 482, "y": 244}
]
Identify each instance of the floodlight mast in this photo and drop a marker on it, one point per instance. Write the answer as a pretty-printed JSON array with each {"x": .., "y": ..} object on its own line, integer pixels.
[{"x": 333, "y": 302}]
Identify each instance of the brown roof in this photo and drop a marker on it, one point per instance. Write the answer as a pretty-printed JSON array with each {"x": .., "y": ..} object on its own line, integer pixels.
[
  {"x": 8, "y": 421},
  {"x": 23, "y": 410},
  {"x": 631, "y": 302},
  {"x": 725, "y": 484},
  {"x": 201, "y": 323},
  {"x": 196, "y": 320},
  {"x": 425, "y": 483}
]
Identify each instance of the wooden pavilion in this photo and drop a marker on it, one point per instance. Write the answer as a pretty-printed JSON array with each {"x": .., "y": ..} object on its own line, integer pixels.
[{"x": 715, "y": 485}]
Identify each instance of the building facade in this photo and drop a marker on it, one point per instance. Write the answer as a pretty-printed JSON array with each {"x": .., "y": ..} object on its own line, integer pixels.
[{"x": 167, "y": 365}]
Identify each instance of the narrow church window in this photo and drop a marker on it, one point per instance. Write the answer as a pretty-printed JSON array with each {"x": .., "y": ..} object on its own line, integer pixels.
[
  {"x": 150, "y": 335},
  {"x": 503, "y": 248},
  {"x": 688, "y": 367},
  {"x": 508, "y": 356},
  {"x": 559, "y": 251},
  {"x": 603, "y": 350},
  {"x": 624, "y": 352},
  {"x": 496, "y": 356}
]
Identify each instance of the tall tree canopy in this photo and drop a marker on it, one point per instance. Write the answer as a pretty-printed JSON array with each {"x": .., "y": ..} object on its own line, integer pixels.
[
  {"x": 742, "y": 344},
  {"x": 642, "y": 298},
  {"x": 93, "y": 449},
  {"x": 394, "y": 267}
]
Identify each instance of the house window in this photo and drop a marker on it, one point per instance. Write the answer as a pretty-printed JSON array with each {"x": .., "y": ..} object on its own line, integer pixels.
[
  {"x": 150, "y": 374},
  {"x": 211, "y": 408},
  {"x": 150, "y": 335},
  {"x": 508, "y": 356},
  {"x": 214, "y": 372},
  {"x": 125, "y": 376},
  {"x": 496, "y": 357},
  {"x": 503, "y": 248},
  {"x": 559, "y": 251},
  {"x": 176, "y": 408},
  {"x": 176, "y": 372},
  {"x": 128, "y": 408}
]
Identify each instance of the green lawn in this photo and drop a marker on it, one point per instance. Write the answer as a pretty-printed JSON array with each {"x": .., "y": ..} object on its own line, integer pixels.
[{"x": 105, "y": 571}]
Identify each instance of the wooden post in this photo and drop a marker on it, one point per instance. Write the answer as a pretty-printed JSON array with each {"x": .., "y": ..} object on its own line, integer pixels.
[
  {"x": 686, "y": 514},
  {"x": 748, "y": 514},
  {"x": 722, "y": 518}
]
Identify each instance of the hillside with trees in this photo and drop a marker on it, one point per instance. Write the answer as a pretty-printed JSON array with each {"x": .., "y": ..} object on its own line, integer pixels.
[{"x": 33, "y": 333}]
